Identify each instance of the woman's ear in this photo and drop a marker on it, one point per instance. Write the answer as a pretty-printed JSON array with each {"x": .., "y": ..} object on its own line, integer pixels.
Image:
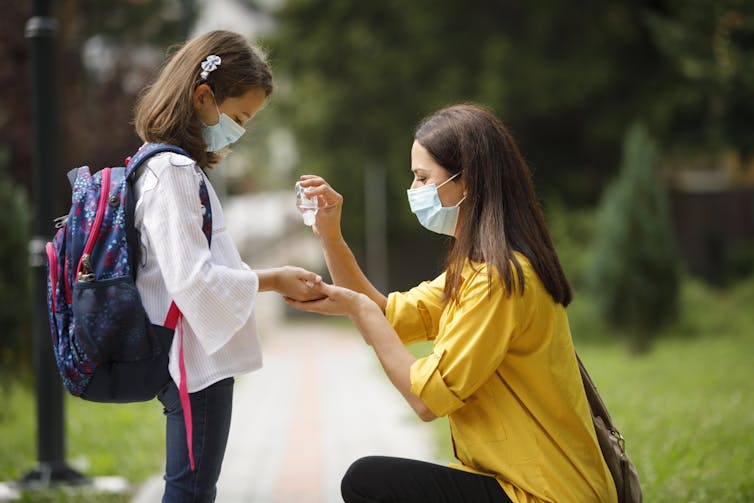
[{"x": 202, "y": 96}]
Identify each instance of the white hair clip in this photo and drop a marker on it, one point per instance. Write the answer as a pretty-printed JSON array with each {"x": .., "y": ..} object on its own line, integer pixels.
[{"x": 209, "y": 65}]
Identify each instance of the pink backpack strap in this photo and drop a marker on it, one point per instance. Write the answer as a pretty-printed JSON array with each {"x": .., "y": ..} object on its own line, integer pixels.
[{"x": 174, "y": 319}]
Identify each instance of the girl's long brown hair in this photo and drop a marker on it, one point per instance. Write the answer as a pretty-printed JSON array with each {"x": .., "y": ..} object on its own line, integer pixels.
[
  {"x": 501, "y": 213},
  {"x": 165, "y": 110}
]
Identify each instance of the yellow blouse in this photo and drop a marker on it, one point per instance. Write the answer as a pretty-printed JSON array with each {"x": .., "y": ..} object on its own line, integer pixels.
[{"x": 503, "y": 369}]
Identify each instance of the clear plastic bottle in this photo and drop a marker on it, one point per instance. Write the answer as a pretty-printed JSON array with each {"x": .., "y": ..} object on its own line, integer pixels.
[{"x": 306, "y": 205}]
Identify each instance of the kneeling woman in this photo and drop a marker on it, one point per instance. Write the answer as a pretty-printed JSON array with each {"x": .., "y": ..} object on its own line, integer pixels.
[{"x": 502, "y": 367}]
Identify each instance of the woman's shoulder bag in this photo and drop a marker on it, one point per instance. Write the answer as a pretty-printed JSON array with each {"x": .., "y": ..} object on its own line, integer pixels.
[{"x": 612, "y": 444}]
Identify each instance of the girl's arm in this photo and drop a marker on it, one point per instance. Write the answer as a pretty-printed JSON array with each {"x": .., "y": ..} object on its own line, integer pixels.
[
  {"x": 341, "y": 263},
  {"x": 396, "y": 360}
]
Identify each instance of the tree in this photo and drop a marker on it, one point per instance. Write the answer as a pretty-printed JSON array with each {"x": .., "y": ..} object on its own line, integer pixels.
[
  {"x": 15, "y": 109},
  {"x": 15, "y": 336},
  {"x": 354, "y": 79},
  {"x": 634, "y": 273},
  {"x": 708, "y": 46},
  {"x": 106, "y": 51}
]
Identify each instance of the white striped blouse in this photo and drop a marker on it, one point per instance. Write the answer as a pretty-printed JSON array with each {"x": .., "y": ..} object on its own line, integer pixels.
[{"x": 214, "y": 289}]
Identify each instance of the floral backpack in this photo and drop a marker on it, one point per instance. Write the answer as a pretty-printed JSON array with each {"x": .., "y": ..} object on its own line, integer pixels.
[{"x": 105, "y": 346}]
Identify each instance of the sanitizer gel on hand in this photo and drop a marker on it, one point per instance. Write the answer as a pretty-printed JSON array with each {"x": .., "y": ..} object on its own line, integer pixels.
[{"x": 306, "y": 205}]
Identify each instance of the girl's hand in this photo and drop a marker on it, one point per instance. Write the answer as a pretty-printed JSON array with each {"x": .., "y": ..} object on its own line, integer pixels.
[
  {"x": 335, "y": 301},
  {"x": 290, "y": 281},
  {"x": 327, "y": 224}
]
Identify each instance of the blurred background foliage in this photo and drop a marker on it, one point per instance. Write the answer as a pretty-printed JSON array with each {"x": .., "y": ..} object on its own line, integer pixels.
[
  {"x": 569, "y": 82},
  {"x": 634, "y": 271},
  {"x": 15, "y": 323},
  {"x": 354, "y": 78}
]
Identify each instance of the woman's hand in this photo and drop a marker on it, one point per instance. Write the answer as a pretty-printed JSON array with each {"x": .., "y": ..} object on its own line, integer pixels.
[
  {"x": 327, "y": 224},
  {"x": 344, "y": 270},
  {"x": 336, "y": 301},
  {"x": 291, "y": 282}
]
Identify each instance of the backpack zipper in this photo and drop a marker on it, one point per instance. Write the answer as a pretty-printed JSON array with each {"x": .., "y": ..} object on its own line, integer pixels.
[{"x": 84, "y": 271}]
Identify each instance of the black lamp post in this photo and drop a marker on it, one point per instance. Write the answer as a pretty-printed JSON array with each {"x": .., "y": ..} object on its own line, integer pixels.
[{"x": 52, "y": 469}]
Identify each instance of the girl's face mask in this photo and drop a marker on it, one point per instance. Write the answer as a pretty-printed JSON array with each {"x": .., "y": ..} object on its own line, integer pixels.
[
  {"x": 220, "y": 135},
  {"x": 426, "y": 205}
]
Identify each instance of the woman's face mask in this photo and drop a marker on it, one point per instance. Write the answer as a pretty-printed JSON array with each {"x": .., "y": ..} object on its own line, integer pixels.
[{"x": 426, "y": 205}]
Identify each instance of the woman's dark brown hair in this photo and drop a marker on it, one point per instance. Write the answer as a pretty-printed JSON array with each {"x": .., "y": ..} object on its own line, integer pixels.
[
  {"x": 165, "y": 110},
  {"x": 501, "y": 213}
]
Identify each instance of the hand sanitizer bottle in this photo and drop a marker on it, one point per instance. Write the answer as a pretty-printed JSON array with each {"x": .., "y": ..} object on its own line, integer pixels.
[{"x": 306, "y": 205}]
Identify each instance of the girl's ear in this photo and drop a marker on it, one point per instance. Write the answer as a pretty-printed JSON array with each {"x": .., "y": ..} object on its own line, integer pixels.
[{"x": 202, "y": 96}]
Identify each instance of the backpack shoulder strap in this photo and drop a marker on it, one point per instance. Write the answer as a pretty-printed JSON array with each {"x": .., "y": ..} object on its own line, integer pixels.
[
  {"x": 207, "y": 216},
  {"x": 148, "y": 150}
]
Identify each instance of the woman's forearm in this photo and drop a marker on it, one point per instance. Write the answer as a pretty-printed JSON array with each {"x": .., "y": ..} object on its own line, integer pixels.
[
  {"x": 396, "y": 360},
  {"x": 345, "y": 270}
]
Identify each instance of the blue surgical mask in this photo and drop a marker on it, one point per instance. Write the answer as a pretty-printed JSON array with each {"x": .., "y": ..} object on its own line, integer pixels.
[
  {"x": 220, "y": 135},
  {"x": 426, "y": 205}
]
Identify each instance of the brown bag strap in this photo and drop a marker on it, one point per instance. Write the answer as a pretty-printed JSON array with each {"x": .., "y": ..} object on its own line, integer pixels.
[{"x": 596, "y": 404}]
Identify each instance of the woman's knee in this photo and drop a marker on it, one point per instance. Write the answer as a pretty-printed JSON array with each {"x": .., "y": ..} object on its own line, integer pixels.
[{"x": 362, "y": 480}]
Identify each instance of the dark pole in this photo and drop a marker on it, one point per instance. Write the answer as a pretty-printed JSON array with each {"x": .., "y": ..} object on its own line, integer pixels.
[
  {"x": 41, "y": 29},
  {"x": 375, "y": 225}
]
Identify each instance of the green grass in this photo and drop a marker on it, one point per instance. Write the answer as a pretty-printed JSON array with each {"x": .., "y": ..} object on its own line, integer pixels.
[
  {"x": 686, "y": 412},
  {"x": 126, "y": 440},
  {"x": 686, "y": 407}
]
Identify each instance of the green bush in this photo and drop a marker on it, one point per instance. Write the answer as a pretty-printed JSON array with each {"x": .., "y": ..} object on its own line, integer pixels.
[
  {"x": 15, "y": 335},
  {"x": 570, "y": 230},
  {"x": 633, "y": 272}
]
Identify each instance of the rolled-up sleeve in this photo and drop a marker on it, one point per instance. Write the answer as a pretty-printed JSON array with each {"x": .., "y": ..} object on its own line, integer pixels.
[
  {"x": 415, "y": 314},
  {"x": 428, "y": 384},
  {"x": 470, "y": 345}
]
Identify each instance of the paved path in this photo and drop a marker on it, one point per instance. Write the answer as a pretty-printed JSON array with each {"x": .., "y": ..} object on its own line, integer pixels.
[{"x": 320, "y": 402}]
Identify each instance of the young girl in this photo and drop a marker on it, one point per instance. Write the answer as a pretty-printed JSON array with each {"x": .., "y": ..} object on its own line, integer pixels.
[
  {"x": 502, "y": 368},
  {"x": 200, "y": 102}
]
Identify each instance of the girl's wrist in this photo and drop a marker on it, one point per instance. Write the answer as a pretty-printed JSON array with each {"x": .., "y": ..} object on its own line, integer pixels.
[{"x": 268, "y": 279}]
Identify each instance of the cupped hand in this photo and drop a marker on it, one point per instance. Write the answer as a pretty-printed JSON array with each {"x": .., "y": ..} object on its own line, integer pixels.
[
  {"x": 334, "y": 301},
  {"x": 327, "y": 224}
]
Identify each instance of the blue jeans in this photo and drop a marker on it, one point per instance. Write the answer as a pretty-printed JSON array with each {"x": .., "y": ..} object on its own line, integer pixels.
[{"x": 211, "y": 409}]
